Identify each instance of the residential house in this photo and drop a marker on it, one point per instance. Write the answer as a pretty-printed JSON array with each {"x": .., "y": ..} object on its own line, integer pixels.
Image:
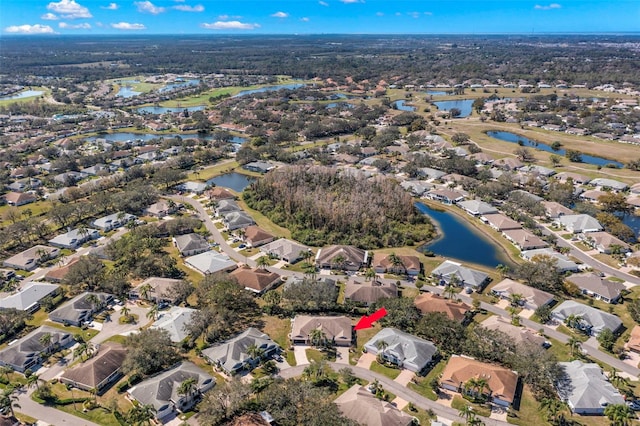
[
  {"x": 367, "y": 292},
  {"x": 29, "y": 259},
  {"x": 232, "y": 356},
  {"x": 81, "y": 308},
  {"x": 477, "y": 207},
  {"x": 563, "y": 263},
  {"x": 113, "y": 221},
  {"x": 192, "y": 187},
  {"x": 99, "y": 372},
  {"x": 19, "y": 198},
  {"x": 612, "y": 184},
  {"x": 162, "y": 208},
  {"x": 586, "y": 389},
  {"x": 445, "y": 196},
  {"x": 384, "y": 263},
  {"x": 508, "y": 163},
  {"x": 577, "y": 223},
  {"x": 259, "y": 166},
  {"x": 416, "y": 187},
  {"x": 430, "y": 173},
  {"x": 25, "y": 354},
  {"x": 349, "y": 258},
  {"x": 174, "y": 321},
  {"x": 254, "y": 236},
  {"x": 218, "y": 194},
  {"x": 28, "y": 297},
  {"x": 592, "y": 195},
  {"x": 500, "y": 222},
  {"x": 156, "y": 290},
  {"x": 361, "y": 406},
  {"x": 256, "y": 280},
  {"x": 574, "y": 177},
  {"x": 287, "y": 250},
  {"x": 530, "y": 298},
  {"x": 634, "y": 340},
  {"x": 587, "y": 318},
  {"x": 520, "y": 335},
  {"x": 237, "y": 220},
  {"x": 402, "y": 349},
  {"x": 428, "y": 302},
  {"x": 339, "y": 330},
  {"x": 501, "y": 382},
  {"x": 466, "y": 277},
  {"x": 597, "y": 287},
  {"x": 161, "y": 391},
  {"x": 74, "y": 238},
  {"x": 211, "y": 262},
  {"x": 190, "y": 244},
  {"x": 524, "y": 239},
  {"x": 226, "y": 206},
  {"x": 605, "y": 242},
  {"x": 554, "y": 210}
]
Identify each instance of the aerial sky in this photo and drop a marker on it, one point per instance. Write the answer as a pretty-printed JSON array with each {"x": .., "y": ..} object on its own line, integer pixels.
[{"x": 318, "y": 16}]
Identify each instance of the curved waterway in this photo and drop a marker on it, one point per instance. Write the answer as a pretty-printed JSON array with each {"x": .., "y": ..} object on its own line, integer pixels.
[
  {"x": 460, "y": 241},
  {"x": 521, "y": 140}
]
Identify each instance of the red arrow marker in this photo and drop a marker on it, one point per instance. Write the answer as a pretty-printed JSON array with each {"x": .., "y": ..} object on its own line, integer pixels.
[{"x": 367, "y": 321}]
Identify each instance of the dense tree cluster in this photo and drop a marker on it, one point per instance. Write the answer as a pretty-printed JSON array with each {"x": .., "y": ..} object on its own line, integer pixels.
[
  {"x": 11, "y": 322},
  {"x": 325, "y": 206},
  {"x": 149, "y": 351}
]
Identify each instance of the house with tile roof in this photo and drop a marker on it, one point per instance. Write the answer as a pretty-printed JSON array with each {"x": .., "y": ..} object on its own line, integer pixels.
[
  {"x": 382, "y": 263},
  {"x": 352, "y": 257},
  {"x": 337, "y": 329},
  {"x": 254, "y": 236},
  {"x": 256, "y": 280},
  {"x": 361, "y": 406},
  {"x": 367, "y": 292},
  {"x": 429, "y": 302}
]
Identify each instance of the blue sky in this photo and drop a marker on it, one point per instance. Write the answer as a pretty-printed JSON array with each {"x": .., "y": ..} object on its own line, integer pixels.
[{"x": 317, "y": 16}]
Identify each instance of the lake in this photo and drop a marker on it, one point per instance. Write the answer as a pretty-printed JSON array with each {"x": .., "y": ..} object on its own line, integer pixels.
[
  {"x": 437, "y": 92},
  {"x": 270, "y": 89},
  {"x": 236, "y": 181},
  {"x": 163, "y": 110},
  {"x": 22, "y": 95},
  {"x": 339, "y": 104},
  {"x": 464, "y": 105},
  {"x": 401, "y": 106},
  {"x": 178, "y": 85},
  {"x": 127, "y": 92},
  {"x": 521, "y": 140},
  {"x": 460, "y": 241},
  {"x": 632, "y": 221}
]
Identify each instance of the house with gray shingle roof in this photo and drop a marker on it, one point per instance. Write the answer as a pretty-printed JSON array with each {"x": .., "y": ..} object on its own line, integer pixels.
[
  {"x": 113, "y": 221},
  {"x": 80, "y": 309},
  {"x": 577, "y": 223},
  {"x": 74, "y": 238},
  {"x": 284, "y": 249},
  {"x": 26, "y": 353},
  {"x": 609, "y": 183},
  {"x": 467, "y": 277},
  {"x": 477, "y": 207},
  {"x": 211, "y": 262},
  {"x": 232, "y": 355},
  {"x": 190, "y": 244},
  {"x": 237, "y": 220},
  {"x": 161, "y": 391},
  {"x": 29, "y": 259},
  {"x": 597, "y": 287},
  {"x": 98, "y": 372},
  {"x": 589, "y": 319},
  {"x": 586, "y": 389},
  {"x": 403, "y": 349},
  {"x": 174, "y": 321},
  {"x": 360, "y": 405},
  {"x": 28, "y": 297}
]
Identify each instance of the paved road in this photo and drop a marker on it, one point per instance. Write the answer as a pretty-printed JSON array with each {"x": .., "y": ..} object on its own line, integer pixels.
[
  {"x": 48, "y": 415},
  {"x": 398, "y": 390}
]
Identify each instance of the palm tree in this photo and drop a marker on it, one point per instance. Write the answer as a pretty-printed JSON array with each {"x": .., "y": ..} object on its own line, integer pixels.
[
  {"x": 153, "y": 312},
  {"x": 317, "y": 337},
  {"x": 466, "y": 412},
  {"x": 262, "y": 262},
  {"x": 255, "y": 353},
  {"x": 124, "y": 313},
  {"x": 339, "y": 262},
  {"x": 33, "y": 379},
  {"x": 95, "y": 301},
  {"x": 516, "y": 300},
  {"x": 188, "y": 387},
  {"x": 370, "y": 274},
  {"x": 449, "y": 291},
  {"x": 573, "y": 320},
  {"x": 503, "y": 270},
  {"x": 382, "y": 346},
  {"x": 46, "y": 340},
  {"x": 145, "y": 290},
  {"x": 141, "y": 414},
  {"x": 396, "y": 262},
  {"x": 6, "y": 370},
  {"x": 574, "y": 344},
  {"x": 619, "y": 414},
  {"x": 307, "y": 255},
  {"x": 8, "y": 400}
]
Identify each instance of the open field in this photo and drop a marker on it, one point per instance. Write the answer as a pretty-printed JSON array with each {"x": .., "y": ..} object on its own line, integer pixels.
[{"x": 47, "y": 93}]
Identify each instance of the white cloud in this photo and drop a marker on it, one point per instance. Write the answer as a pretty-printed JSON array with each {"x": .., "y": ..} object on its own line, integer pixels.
[
  {"x": 547, "y": 7},
  {"x": 230, "y": 25},
  {"x": 83, "y": 26},
  {"x": 148, "y": 7},
  {"x": 69, "y": 9},
  {"x": 398, "y": 14},
  {"x": 323, "y": 3},
  {"x": 111, "y": 6},
  {"x": 50, "y": 17},
  {"x": 305, "y": 19},
  {"x": 30, "y": 29},
  {"x": 128, "y": 26},
  {"x": 187, "y": 8},
  {"x": 414, "y": 14},
  {"x": 280, "y": 15},
  {"x": 379, "y": 14}
]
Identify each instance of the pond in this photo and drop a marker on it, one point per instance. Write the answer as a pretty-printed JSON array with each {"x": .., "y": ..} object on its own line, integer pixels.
[
  {"x": 632, "y": 221},
  {"x": 401, "y": 106},
  {"x": 178, "y": 85},
  {"x": 437, "y": 92},
  {"x": 521, "y": 140},
  {"x": 127, "y": 92},
  {"x": 270, "y": 89},
  {"x": 22, "y": 95},
  {"x": 339, "y": 104},
  {"x": 236, "y": 181},
  {"x": 464, "y": 105},
  {"x": 460, "y": 241},
  {"x": 163, "y": 110}
]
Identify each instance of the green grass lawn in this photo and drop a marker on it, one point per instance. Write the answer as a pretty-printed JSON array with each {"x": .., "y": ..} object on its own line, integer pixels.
[
  {"x": 362, "y": 337},
  {"x": 265, "y": 223},
  {"x": 213, "y": 171},
  {"x": 529, "y": 412},
  {"x": 98, "y": 415},
  {"x": 422, "y": 386},
  {"x": 459, "y": 402},
  {"x": 278, "y": 329},
  {"x": 391, "y": 373}
]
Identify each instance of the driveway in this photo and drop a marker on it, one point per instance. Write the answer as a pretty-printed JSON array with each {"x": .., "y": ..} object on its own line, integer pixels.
[
  {"x": 300, "y": 353},
  {"x": 342, "y": 355},
  {"x": 114, "y": 328},
  {"x": 404, "y": 377}
]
